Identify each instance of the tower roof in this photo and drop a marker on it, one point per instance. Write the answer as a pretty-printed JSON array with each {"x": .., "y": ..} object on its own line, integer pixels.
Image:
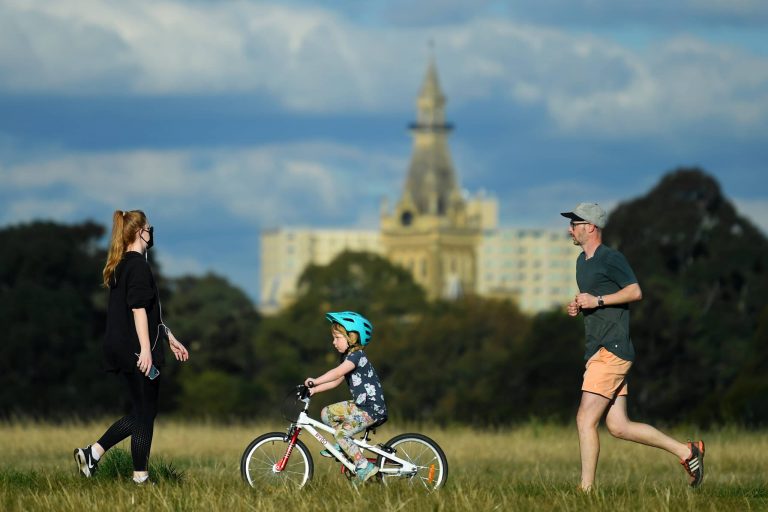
[
  {"x": 431, "y": 184},
  {"x": 430, "y": 88}
]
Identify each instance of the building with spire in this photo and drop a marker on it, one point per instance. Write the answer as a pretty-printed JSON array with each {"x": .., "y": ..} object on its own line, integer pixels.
[
  {"x": 448, "y": 240},
  {"x": 431, "y": 230}
]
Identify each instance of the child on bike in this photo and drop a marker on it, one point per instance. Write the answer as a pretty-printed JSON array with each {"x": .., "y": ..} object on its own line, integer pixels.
[{"x": 351, "y": 332}]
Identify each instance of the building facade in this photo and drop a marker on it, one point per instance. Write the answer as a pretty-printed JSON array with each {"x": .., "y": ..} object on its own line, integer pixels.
[
  {"x": 431, "y": 231},
  {"x": 451, "y": 243},
  {"x": 533, "y": 267},
  {"x": 285, "y": 253}
]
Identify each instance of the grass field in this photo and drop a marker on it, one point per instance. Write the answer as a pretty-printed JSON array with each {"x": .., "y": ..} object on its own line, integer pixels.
[{"x": 532, "y": 467}]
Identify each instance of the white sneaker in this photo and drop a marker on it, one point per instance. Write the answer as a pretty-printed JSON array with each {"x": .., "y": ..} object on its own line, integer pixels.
[{"x": 86, "y": 464}]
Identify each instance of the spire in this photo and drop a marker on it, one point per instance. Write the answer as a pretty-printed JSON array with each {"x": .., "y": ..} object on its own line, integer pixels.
[
  {"x": 430, "y": 105},
  {"x": 431, "y": 181}
]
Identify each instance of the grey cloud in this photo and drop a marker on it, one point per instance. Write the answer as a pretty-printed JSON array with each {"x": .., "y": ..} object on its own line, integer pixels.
[
  {"x": 314, "y": 60},
  {"x": 655, "y": 13},
  {"x": 40, "y": 52}
]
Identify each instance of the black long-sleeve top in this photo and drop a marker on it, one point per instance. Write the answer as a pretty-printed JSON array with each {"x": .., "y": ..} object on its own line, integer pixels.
[{"x": 132, "y": 287}]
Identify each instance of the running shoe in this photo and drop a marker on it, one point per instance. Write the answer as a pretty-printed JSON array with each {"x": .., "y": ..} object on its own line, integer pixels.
[
  {"x": 694, "y": 465},
  {"x": 86, "y": 464}
]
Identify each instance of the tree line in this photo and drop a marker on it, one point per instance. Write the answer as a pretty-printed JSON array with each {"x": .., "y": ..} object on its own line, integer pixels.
[{"x": 701, "y": 331}]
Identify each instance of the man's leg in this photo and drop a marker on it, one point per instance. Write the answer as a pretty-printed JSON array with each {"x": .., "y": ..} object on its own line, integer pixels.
[
  {"x": 591, "y": 409},
  {"x": 620, "y": 426}
]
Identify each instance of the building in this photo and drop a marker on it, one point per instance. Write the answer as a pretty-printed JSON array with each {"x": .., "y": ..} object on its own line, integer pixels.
[
  {"x": 451, "y": 243},
  {"x": 534, "y": 267},
  {"x": 431, "y": 231},
  {"x": 285, "y": 253}
]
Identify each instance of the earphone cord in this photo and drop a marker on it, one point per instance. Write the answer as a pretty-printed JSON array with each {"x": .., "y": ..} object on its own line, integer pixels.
[{"x": 162, "y": 325}]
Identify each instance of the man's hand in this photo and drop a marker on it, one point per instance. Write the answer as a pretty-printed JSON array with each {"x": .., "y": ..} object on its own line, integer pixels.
[
  {"x": 573, "y": 308},
  {"x": 586, "y": 301}
]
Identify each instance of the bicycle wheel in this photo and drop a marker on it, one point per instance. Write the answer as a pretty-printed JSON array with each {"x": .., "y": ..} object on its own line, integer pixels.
[
  {"x": 257, "y": 465},
  {"x": 421, "y": 451}
]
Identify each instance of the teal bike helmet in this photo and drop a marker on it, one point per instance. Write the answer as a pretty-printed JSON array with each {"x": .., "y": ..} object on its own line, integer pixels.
[{"x": 353, "y": 322}]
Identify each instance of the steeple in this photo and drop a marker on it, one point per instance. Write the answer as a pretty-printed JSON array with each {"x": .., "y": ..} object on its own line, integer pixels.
[
  {"x": 431, "y": 183},
  {"x": 430, "y": 231}
]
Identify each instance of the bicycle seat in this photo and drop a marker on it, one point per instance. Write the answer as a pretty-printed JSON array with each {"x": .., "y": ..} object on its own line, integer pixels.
[{"x": 372, "y": 428}]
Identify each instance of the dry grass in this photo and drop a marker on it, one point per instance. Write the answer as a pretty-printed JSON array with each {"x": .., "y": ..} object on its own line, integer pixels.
[{"x": 533, "y": 467}]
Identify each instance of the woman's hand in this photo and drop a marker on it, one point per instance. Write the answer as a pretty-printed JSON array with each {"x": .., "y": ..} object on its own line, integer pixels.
[
  {"x": 179, "y": 351},
  {"x": 144, "y": 362}
]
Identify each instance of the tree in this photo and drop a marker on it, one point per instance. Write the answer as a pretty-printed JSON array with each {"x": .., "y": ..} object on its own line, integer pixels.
[
  {"x": 219, "y": 323},
  {"x": 298, "y": 339},
  {"x": 704, "y": 273},
  {"x": 53, "y": 316}
]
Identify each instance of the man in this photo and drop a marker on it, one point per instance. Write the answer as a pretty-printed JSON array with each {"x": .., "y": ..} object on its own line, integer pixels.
[{"x": 607, "y": 285}]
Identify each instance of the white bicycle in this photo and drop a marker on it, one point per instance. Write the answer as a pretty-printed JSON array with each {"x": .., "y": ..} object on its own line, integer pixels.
[{"x": 282, "y": 459}]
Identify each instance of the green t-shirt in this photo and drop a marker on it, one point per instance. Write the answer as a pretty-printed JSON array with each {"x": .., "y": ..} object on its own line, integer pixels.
[{"x": 606, "y": 272}]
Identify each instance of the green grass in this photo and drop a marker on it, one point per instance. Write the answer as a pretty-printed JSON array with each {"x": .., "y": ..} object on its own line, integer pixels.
[{"x": 532, "y": 467}]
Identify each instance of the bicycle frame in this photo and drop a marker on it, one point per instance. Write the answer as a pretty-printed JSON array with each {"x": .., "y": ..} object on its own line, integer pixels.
[{"x": 305, "y": 422}]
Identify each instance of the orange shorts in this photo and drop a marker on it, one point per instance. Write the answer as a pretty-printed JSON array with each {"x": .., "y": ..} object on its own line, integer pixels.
[{"x": 606, "y": 374}]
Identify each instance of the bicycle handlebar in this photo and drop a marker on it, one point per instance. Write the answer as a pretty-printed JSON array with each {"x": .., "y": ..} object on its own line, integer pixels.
[{"x": 303, "y": 391}]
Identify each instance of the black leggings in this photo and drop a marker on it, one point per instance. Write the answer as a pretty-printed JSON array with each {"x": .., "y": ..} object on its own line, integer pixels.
[{"x": 140, "y": 423}]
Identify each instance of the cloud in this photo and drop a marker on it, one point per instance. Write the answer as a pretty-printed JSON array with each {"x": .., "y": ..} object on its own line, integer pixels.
[
  {"x": 270, "y": 185},
  {"x": 314, "y": 60},
  {"x": 208, "y": 205},
  {"x": 756, "y": 210},
  {"x": 609, "y": 13},
  {"x": 540, "y": 206}
]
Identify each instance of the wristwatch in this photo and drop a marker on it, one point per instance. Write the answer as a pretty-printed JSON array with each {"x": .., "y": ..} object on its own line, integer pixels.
[{"x": 600, "y": 301}]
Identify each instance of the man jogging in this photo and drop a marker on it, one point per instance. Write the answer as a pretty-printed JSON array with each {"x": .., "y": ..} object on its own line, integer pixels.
[{"x": 607, "y": 285}]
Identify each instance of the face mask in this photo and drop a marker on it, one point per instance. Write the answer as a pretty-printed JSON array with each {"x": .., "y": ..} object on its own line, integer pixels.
[{"x": 151, "y": 240}]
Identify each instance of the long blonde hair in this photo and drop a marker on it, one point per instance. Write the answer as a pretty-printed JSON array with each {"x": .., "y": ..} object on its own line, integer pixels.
[
  {"x": 353, "y": 339},
  {"x": 125, "y": 225}
]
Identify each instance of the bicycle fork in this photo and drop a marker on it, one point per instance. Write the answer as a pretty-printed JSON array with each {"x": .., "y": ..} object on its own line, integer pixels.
[{"x": 293, "y": 434}]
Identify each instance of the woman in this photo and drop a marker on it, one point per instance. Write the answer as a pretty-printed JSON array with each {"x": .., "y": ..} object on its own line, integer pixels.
[{"x": 131, "y": 343}]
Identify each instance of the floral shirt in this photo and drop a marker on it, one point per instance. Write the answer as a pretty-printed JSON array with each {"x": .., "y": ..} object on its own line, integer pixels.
[{"x": 365, "y": 386}]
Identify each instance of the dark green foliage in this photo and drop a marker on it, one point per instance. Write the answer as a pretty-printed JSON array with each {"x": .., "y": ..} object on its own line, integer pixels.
[
  {"x": 52, "y": 312},
  {"x": 461, "y": 361},
  {"x": 701, "y": 330},
  {"x": 704, "y": 273},
  {"x": 218, "y": 324},
  {"x": 13, "y": 478},
  {"x": 552, "y": 366},
  {"x": 117, "y": 464},
  {"x": 362, "y": 282}
]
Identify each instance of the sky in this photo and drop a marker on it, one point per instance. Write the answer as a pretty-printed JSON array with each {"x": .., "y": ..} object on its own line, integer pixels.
[{"x": 222, "y": 119}]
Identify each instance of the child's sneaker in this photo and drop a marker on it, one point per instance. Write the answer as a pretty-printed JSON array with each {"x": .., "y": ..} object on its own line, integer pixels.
[
  {"x": 326, "y": 453},
  {"x": 694, "y": 465},
  {"x": 86, "y": 464},
  {"x": 364, "y": 474}
]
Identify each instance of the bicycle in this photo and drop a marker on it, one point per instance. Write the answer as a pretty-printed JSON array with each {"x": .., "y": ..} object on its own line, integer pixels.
[{"x": 277, "y": 458}]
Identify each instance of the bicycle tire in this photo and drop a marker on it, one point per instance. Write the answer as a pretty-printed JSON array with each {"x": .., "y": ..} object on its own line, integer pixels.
[
  {"x": 423, "y": 452},
  {"x": 261, "y": 455}
]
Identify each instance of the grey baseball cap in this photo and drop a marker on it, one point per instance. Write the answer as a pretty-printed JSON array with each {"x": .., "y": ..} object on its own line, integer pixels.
[{"x": 590, "y": 212}]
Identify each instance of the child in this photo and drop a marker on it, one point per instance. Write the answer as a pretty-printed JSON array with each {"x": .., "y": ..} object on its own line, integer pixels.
[{"x": 351, "y": 332}]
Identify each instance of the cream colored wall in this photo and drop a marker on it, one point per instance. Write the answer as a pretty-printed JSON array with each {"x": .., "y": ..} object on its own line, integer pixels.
[
  {"x": 536, "y": 267},
  {"x": 285, "y": 253}
]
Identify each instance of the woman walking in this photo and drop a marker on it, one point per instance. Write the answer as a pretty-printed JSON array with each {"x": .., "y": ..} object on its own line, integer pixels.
[{"x": 132, "y": 346}]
